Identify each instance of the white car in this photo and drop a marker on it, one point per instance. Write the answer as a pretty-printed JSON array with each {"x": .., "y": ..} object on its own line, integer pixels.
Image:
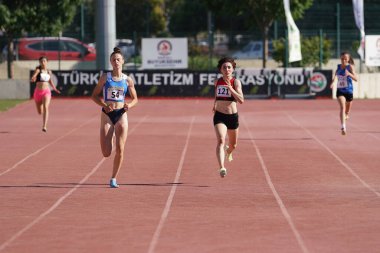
[
  {"x": 253, "y": 50},
  {"x": 126, "y": 46}
]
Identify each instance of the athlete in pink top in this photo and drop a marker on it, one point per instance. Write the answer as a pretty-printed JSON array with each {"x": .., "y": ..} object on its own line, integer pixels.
[{"x": 42, "y": 93}]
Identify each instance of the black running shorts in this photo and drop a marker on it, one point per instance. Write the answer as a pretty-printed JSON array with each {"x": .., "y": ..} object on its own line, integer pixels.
[{"x": 230, "y": 120}]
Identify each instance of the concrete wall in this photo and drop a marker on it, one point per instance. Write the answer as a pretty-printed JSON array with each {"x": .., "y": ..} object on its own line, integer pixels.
[
  {"x": 14, "y": 89},
  {"x": 368, "y": 86}
]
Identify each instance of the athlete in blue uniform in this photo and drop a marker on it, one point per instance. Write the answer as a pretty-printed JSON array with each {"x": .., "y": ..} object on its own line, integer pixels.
[
  {"x": 114, "y": 121},
  {"x": 344, "y": 74},
  {"x": 228, "y": 92}
]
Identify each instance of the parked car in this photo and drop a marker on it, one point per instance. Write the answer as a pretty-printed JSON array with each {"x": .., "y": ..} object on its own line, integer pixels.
[
  {"x": 253, "y": 50},
  {"x": 126, "y": 46},
  {"x": 54, "y": 48}
]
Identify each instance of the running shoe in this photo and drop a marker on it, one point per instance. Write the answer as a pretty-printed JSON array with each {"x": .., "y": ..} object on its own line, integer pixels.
[
  {"x": 347, "y": 116},
  {"x": 223, "y": 172},
  {"x": 228, "y": 155},
  {"x": 113, "y": 183},
  {"x": 344, "y": 131}
]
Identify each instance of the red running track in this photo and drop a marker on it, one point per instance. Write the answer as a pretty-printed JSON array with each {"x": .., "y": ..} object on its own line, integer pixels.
[{"x": 295, "y": 184}]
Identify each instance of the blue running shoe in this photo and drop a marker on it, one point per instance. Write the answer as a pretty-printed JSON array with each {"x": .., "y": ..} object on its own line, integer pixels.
[{"x": 113, "y": 183}]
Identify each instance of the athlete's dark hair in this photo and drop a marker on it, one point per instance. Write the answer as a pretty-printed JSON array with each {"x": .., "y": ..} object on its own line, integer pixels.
[
  {"x": 116, "y": 50},
  {"x": 40, "y": 59},
  {"x": 226, "y": 59},
  {"x": 350, "y": 59}
]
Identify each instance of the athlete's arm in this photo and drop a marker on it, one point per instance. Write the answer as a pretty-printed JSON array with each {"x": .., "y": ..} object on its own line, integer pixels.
[
  {"x": 96, "y": 93},
  {"x": 52, "y": 83},
  {"x": 333, "y": 80},
  {"x": 237, "y": 92},
  {"x": 352, "y": 74},
  {"x": 34, "y": 77},
  {"x": 132, "y": 94},
  {"x": 214, "y": 107}
]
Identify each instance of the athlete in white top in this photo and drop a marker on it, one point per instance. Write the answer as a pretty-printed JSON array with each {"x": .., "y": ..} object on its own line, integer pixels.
[{"x": 42, "y": 94}]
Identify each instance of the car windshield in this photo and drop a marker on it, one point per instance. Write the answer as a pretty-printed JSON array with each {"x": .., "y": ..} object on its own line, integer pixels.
[{"x": 74, "y": 47}]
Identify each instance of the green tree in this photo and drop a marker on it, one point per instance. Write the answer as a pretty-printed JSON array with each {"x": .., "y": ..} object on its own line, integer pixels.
[
  {"x": 20, "y": 17},
  {"x": 183, "y": 21},
  {"x": 310, "y": 49},
  {"x": 147, "y": 17},
  {"x": 264, "y": 13}
]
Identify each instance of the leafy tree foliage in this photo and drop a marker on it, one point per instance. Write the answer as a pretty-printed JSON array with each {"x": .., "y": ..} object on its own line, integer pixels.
[
  {"x": 46, "y": 17},
  {"x": 147, "y": 17},
  {"x": 264, "y": 13},
  {"x": 310, "y": 49}
]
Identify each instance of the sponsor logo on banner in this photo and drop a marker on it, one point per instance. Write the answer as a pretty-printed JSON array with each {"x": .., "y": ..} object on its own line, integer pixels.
[
  {"x": 317, "y": 82},
  {"x": 164, "y": 47}
]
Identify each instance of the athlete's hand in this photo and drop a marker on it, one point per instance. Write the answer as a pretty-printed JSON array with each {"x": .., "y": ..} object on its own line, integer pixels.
[
  {"x": 348, "y": 73},
  {"x": 126, "y": 106},
  {"x": 228, "y": 84},
  {"x": 57, "y": 91},
  {"x": 108, "y": 108}
]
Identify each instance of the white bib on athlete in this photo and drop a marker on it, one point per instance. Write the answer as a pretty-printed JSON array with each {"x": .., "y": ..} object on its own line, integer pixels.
[
  {"x": 342, "y": 81},
  {"x": 222, "y": 91}
]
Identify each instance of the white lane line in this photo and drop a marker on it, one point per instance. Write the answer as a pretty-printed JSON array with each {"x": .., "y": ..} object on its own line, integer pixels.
[
  {"x": 350, "y": 125},
  {"x": 284, "y": 211},
  {"x": 44, "y": 147},
  {"x": 364, "y": 131},
  {"x": 345, "y": 165},
  {"x": 169, "y": 201},
  {"x": 60, "y": 200}
]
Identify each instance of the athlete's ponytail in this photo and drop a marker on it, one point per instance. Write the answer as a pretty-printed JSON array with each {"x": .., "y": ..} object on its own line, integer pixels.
[{"x": 116, "y": 50}]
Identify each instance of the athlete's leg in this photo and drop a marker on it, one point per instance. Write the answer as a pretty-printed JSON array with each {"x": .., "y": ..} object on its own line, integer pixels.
[
  {"x": 221, "y": 132},
  {"x": 342, "y": 106},
  {"x": 121, "y": 133},
  {"x": 348, "y": 109},
  {"x": 232, "y": 140},
  {"x": 39, "y": 107},
  {"x": 106, "y": 135},
  {"x": 45, "y": 112}
]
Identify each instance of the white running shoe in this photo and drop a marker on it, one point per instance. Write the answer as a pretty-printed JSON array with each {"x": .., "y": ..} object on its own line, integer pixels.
[
  {"x": 223, "y": 172},
  {"x": 346, "y": 116}
]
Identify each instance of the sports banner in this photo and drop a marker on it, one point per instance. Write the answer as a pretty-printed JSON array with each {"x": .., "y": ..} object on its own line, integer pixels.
[
  {"x": 372, "y": 50},
  {"x": 256, "y": 83},
  {"x": 164, "y": 53},
  {"x": 294, "y": 37},
  {"x": 359, "y": 20}
]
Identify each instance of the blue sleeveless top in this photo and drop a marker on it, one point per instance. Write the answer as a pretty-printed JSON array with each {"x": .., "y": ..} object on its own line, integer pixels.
[
  {"x": 344, "y": 83},
  {"x": 115, "y": 91}
]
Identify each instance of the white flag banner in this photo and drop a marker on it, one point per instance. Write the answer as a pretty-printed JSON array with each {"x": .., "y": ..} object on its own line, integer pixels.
[
  {"x": 359, "y": 20},
  {"x": 294, "y": 37}
]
